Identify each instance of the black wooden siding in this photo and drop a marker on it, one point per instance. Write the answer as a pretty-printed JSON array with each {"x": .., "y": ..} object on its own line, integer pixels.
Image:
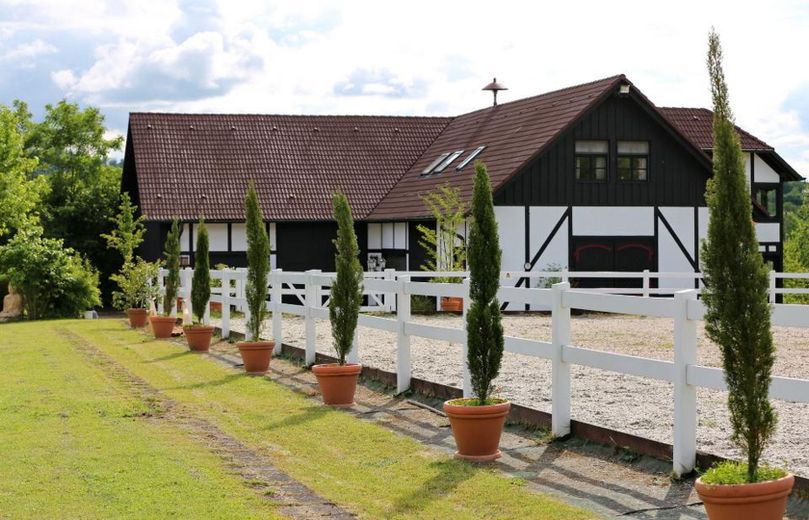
[{"x": 675, "y": 177}]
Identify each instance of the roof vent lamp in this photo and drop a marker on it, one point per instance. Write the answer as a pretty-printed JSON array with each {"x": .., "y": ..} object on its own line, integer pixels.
[
  {"x": 495, "y": 87},
  {"x": 623, "y": 89}
]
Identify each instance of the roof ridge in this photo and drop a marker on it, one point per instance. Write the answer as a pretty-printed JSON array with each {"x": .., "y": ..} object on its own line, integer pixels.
[{"x": 302, "y": 116}]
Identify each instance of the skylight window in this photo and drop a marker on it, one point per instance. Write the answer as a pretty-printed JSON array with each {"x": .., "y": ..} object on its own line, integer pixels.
[
  {"x": 441, "y": 167},
  {"x": 469, "y": 158},
  {"x": 428, "y": 169}
]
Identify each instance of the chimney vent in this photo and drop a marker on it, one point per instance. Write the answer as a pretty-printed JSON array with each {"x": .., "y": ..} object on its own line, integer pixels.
[{"x": 495, "y": 87}]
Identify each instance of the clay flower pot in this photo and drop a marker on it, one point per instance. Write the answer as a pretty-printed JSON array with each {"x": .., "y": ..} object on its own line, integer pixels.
[
  {"x": 338, "y": 383},
  {"x": 198, "y": 337},
  {"x": 757, "y": 501},
  {"x": 477, "y": 429},
  {"x": 256, "y": 356},
  {"x": 451, "y": 304},
  {"x": 162, "y": 326},
  {"x": 137, "y": 317},
  {"x": 216, "y": 306}
]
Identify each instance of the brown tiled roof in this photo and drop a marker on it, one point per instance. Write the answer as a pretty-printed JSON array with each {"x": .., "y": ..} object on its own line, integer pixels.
[
  {"x": 512, "y": 132},
  {"x": 697, "y": 125},
  {"x": 192, "y": 164}
]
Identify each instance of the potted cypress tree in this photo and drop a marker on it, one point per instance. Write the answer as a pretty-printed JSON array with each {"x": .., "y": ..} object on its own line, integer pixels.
[
  {"x": 198, "y": 334},
  {"x": 338, "y": 381},
  {"x": 737, "y": 319},
  {"x": 162, "y": 326},
  {"x": 256, "y": 354},
  {"x": 477, "y": 422}
]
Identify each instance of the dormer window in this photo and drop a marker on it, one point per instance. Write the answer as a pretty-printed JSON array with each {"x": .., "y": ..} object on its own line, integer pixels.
[
  {"x": 633, "y": 160},
  {"x": 591, "y": 161}
]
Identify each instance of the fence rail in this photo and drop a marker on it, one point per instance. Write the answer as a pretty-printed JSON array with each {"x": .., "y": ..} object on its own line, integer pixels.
[{"x": 392, "y": 291}]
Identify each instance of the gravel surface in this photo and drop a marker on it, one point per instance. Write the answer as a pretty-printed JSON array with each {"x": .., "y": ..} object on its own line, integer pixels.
[{"x": 636, "y": 405}]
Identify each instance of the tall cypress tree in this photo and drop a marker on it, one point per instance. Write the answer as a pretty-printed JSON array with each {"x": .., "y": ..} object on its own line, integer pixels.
[
  {"x": 346, "y": 291},
  {"x": 201, "y": 282},
  {"x": 258, "y": 263},
  {"x": 738, "y": 312},
  {"x": 172, "y": 256},
  {"x": 483, "y": 319}
]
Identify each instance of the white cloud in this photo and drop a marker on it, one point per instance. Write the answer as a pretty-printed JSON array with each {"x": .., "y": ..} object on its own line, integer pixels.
[
  {"x": 28, "y": 51},
  {"x": 64, "y": 79}
]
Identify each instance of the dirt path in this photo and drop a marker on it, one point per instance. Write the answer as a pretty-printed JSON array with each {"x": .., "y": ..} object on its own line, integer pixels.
[{"x": 293, "y": 498}]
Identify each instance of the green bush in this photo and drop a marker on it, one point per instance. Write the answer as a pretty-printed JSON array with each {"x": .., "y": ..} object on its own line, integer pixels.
[
  {"x": 420, "y": 304},
  {"x": 201, "y": 282},
  {"x": 53, "y": 280},
  {"x": 138, "y": 283},
  {"x": 733, "y": 472},
  {"x": 444, "y": 253},
  {"x": 346, "y": 291}
]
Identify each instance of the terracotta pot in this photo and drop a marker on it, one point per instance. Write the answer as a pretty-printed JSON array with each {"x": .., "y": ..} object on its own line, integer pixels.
[
  {"x": 216, "y": 306},
  {"x": 338, "y": 383},
  {"x": 451, "y": 304},
  {"x": 256, "y": 356},
  {"x": 477, "y": 429},
  {"x": 757, "y": 501},
  {"x": 198, "y": 337},
  {"x": 162, "y": 326},
  {"x": 137, "y": 317}
]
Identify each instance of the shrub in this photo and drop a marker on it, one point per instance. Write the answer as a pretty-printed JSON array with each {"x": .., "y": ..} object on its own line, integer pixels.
[
  {"x": 172, "y": 258},
  {"x": 138, "y": 283},
  {"x": 53, "y": 280},
  {"x": 483, "y": 320},
  {"x": 201, "y": 282},
  {"x": 441, "y": 244},
  {"x": 258, "y": 264},
  {"x": 346, "y": 291},
  {"x": 737, "y": 314},
  {"x": 128, "y": 232}
]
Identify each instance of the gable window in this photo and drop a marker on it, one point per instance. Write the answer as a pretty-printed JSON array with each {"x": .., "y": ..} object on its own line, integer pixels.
[
  {"x": 591, "y": 161},
  {"x": 765, "y": 200},
  {"x": 633, "y": 160}
]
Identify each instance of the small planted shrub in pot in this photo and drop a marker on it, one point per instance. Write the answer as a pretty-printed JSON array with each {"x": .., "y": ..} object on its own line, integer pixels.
[
  {"x": 256, "y": 354},
  {"x": 162, "y": 326},
  {"x": 444, "y": 252},
  {"x": 477, "y": 422},
  {"x": 338, "y": 381},
  {"x": 737, "y": 319},
  {"x": 198, "y": 334},
  {"x": 137, "y": 290}
]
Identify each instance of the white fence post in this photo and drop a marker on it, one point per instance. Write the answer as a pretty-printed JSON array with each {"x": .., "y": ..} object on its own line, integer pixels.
[
  {"x": 390, "y": 298},
  {"x": 186, "y": 277},
  {"x": 772, "y": 286},
  {"x": 645, "y": 283},
  {"x": 161, "y": 289},
  {"x": 560, "y": 377},
  {"x": 467, "y": 377},
  {"x": 685, "y": 395},
  {"x": 225, "y": 325},
  {"x": 564, "y": 277},
  {"x": 403, "y": 367},
  {"x": 312, "y": 299},
  {"x": 276, "y": 296}
]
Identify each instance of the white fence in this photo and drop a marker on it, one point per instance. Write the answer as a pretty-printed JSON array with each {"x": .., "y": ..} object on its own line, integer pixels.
[{"x": 393, "y": 291}]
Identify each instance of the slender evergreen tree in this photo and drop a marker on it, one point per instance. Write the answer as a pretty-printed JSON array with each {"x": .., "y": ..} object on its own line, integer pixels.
[
  {"x": 172, "y": 257},
  {"x": 483, "y": 319},
  {"x": 258, "y": 264},
  {"x": 201, "y": 282},
  {"x": 346, "y": 291},
  {"x": 128, "y": 232},
  {"x": 738, "y": 312}
]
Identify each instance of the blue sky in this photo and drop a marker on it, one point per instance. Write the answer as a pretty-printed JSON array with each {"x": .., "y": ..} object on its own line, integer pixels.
[{"x": 418, "y": 57}]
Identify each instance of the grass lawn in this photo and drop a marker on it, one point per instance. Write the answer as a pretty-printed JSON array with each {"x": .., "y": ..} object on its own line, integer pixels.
[{"x": 109, "y": 463}]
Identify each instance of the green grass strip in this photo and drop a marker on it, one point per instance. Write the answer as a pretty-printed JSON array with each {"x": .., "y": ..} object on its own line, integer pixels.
[
  {"x": 361, "y": 466},
  {"x": 75, "y": 444}
]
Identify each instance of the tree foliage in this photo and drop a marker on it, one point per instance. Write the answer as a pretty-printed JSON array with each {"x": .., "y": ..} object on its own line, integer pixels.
[
  {"x": 128, "y": 232},
  {"x": 738, "y": 313},
  {"x": 445, "y": 252},
  {"x": 258, "y": 264},
  {"x": 171, "y": 255},
  {"x": 346, "y": 291},
  {"x": 796, "y": 251},
  {"x": 201, "y": 282},
  {"x": 20, "y": 194},
  {"x": 137, "y": 283},
  {"x": 483, "y": 319},
  {"x": 54, "y": 281}
]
